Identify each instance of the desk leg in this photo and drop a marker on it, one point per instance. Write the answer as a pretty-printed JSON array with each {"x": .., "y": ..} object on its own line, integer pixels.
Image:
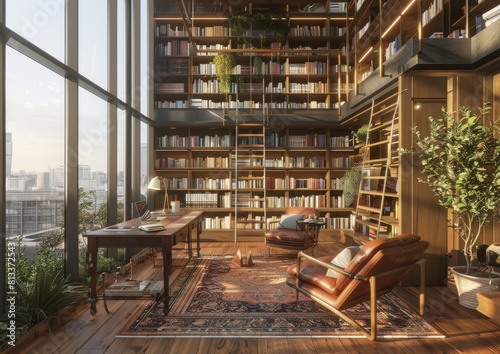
[
  {"x": 167, "y": 268},
  {"x": 190, "y": 243},
  {"x": 198, "y": 232},
  {"x": 92, "y": 271}
]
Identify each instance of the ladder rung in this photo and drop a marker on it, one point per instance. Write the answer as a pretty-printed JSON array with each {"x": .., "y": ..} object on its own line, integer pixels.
[
  {"x": 373, "y": 177},
  {"x": 378, "y": 143},
  {"x": 370, "y": 209},
  {"x": 251, "y": 135},
  {"x": 374, "y": 161},
  {"x": 251, "y": 178},
  {"x": 371, "y": 225}
]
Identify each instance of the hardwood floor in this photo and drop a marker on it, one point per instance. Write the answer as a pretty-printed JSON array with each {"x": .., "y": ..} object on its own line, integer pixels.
[{"x": 467, "y": 331}]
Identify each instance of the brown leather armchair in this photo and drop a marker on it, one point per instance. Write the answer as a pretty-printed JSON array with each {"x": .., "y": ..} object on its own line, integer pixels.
[
  {"x": 375, "y": 270},
  {"x": 292, "y": 236}
]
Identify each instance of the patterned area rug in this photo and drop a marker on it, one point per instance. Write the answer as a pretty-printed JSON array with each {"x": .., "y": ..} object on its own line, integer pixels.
[{"x": 212, "y": 298}]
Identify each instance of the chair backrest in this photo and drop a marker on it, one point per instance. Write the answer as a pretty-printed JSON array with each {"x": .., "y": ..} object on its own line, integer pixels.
[
  {"x": 301, "y": 210},
  {"x": 375, "y": 257}
]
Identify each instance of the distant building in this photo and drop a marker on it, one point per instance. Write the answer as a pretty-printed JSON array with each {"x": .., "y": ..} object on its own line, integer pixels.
[{"x": 30, "y": 212}]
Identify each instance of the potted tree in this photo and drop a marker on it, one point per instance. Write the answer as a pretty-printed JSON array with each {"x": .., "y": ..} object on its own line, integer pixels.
[
  {"x": 461, "y": 163},
  {"x": 349, "y": 183}
]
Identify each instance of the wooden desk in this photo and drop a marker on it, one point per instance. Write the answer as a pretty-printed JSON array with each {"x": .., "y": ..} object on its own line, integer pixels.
[{"x": 177, "y": 228}]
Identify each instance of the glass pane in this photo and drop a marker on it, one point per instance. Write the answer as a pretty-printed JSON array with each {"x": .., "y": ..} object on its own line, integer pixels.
[
  {"x": 92, "y": 38},
  {"x": 35, "y": 130},
  {"x": 92, "y": 169},
  {"x": 40, "y": 22}
]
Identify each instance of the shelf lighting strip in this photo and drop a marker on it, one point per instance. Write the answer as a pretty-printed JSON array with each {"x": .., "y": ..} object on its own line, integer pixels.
[{"x": 399, "y": 18}]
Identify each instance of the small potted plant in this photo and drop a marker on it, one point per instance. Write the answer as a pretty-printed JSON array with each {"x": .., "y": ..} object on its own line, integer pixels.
[
  {"x": 361, "y": 134},
  {"x": 461, "y": 163}
]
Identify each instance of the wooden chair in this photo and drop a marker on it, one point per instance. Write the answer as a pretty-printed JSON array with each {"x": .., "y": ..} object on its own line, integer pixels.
[
  {"x": 375, "y": 270},
  {"x": 286, "y": 233}
]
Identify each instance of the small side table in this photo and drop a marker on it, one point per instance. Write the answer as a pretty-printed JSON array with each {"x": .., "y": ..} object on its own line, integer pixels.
[{"x": 311, "y": 228}]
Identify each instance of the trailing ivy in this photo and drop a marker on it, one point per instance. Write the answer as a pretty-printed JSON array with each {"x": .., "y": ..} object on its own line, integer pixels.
[{"x": 224, "y": 66}]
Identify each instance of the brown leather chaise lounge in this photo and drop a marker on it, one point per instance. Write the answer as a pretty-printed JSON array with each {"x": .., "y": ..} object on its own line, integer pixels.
[
  {"x": 290, "y": 236},
  {"x": 375, "y": 270}
]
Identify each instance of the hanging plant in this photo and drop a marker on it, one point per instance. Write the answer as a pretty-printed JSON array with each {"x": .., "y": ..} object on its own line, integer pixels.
[
  {"x": 261, "y": 21},
  {"x": 224, "y": 65}
]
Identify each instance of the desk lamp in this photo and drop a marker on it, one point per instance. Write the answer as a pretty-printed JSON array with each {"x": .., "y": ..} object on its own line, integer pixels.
[{"x": 159, "y": 183}]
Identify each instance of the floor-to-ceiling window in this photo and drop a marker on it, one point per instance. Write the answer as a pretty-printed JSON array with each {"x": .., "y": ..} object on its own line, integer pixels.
[
  {"x": 35, "y": 123},
  {"x": 36, "y": 103}
]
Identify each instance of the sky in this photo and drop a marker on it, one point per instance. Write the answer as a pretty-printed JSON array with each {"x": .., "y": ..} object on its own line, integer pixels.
[{"x": 35, "y": 95}]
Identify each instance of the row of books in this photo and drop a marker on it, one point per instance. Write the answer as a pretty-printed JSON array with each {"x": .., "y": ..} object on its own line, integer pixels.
[
  {"x": 341, "y": 141},
  {"x": 306, "y": 162},
  {"x": 275, "y": 162},
  {"x": 307, "y": 183},
  {"x": 178, "y": 66},
  {"x": 341, "y": 162},
  {"x": 274, "y": 140},
  {"x": 205, "y": 200},
  {"x": 198, "y": 162},
  {"x": 309, "y": 87},
  {"x": 307, "y": 68},
  {"x": 309, "y": 201},
  {"x": 250, "y": 184},
  {"x": 210, "y": 31},
  {"x": 226, "y": 222},
  {"x": 210, "y": 49},
  {"x": 393, "y": 47},
  {"x": 435, "y": 7},
  {"x": 171, "y": 87},
  {"x": 169, "y": 30},
  {"x": 173, "y": 47},
  {"x": 177, "y": 104},
  {"x": 307, "y": 140},
  {"x": 275, "y": 183},
  {"x": 308, "y": 31},
  {"x": 211, "y": 183}
]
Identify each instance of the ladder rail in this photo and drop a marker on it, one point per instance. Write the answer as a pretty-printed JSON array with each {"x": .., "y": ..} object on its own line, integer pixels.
[{"x": 370, "y": 212}]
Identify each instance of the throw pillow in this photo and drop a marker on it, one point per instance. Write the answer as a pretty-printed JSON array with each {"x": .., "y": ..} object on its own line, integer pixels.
[
  {"x": 289, "y": 221},
  {"x": 342, "y": 260}
]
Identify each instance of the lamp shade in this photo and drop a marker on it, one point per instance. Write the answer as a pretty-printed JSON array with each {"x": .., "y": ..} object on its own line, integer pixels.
[
  {"x": 159, "y": 183},
  {"x": 156, "y": 184}
]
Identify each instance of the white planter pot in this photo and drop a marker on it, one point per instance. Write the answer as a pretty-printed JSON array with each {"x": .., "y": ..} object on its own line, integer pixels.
[{"x": 469, "y": 285}]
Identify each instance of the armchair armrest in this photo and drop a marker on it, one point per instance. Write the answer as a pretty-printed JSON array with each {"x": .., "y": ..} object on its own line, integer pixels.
[{"x": 327, "y": 265}]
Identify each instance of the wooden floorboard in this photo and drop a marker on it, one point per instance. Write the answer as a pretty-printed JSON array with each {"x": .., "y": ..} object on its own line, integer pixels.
[{"x": 466, "y": 330}]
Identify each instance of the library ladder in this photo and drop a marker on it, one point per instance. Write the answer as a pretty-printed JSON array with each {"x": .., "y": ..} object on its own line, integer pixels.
[
  {"x": 250, "y": 180},
  {"x": 378, "y": 197}
]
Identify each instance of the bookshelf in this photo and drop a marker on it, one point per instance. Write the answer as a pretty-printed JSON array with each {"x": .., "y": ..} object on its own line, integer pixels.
[
  {"x": 305, "y": 70},
  {"x": 221, "y": 170},
  {"x": 378, "y": 29}
]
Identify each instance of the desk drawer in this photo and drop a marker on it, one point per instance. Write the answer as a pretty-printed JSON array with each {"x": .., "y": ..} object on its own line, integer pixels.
[{"x": 181, "y": 235}]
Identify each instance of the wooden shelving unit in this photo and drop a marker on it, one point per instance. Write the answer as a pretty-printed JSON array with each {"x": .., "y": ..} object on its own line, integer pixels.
[
  {"x": 301, "y": 166},
  {"x": 305, "y": 71}
]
